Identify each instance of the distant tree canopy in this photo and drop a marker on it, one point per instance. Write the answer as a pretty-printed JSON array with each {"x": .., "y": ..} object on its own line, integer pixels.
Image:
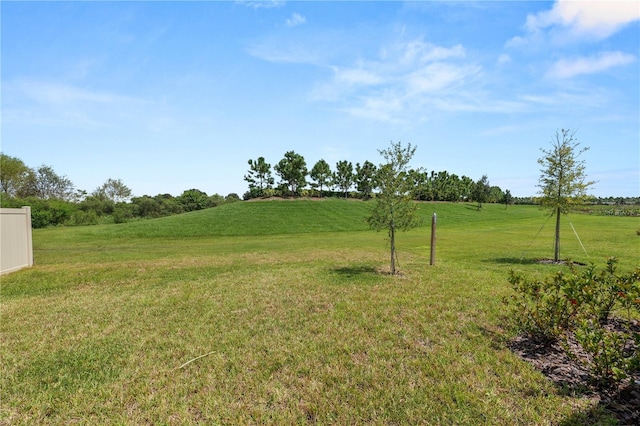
[
  {"x": 55, "y": 201},
  {"x": 194, "y": 199},
  {"x": 365, "y": 179},
  {"x": 13, "y": 175},
  {"x": 321, "y": 175},
  {"x": 114, "y": 190},
  {"x": 360, "y": 182},
  {"x": 507, "y": 198},
  {"x": 259, "y": 177},
  {"x": 292, "y": 170},
  {"x": 481, "y": 191},
  {"x": 343, "y": 177}
]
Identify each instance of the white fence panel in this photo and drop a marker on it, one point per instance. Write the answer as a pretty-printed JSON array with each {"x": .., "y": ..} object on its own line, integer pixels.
[{"x": 16, "y": 249}]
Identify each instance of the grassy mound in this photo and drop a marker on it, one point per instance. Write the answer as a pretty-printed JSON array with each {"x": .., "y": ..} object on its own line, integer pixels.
[{"x": 283, "y": 217}]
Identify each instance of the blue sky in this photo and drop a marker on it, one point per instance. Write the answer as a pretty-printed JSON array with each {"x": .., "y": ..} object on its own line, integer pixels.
[{"x": 169, "y": 96}]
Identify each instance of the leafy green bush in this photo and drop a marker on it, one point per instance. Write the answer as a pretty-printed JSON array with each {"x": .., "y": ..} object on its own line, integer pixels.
[
  {"x": 610, "y": 357},
  {"x": 123, "y": 212},
  {"x": 583, "y": 306},
  {"x": 44, "y": 212},
  {"x": 81, "y": 217},
  {"x": 543, "y": 309}
]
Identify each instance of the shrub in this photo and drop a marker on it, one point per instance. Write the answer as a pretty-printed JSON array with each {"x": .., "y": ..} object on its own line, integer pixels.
[
  {"x": 193, "y": 199},
  {"x": 80, "y": 217},
  {"x": 44, "y": 213},
  {"x": 102, "y": 206},
  {"x": 543, "y": 309},
  {"x": 611, "y": 358},
  {"x": 582, "y": 306},
  {"x": 123, "y": 212}
]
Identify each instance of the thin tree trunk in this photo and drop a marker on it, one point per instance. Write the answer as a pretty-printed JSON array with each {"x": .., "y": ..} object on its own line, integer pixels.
[
  {"x": 556, "y": 246},
  {"x": 393, "y": 247}
]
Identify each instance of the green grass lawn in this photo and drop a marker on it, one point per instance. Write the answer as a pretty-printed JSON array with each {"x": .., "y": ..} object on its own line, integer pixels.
[{"x": 297, "y": 323}]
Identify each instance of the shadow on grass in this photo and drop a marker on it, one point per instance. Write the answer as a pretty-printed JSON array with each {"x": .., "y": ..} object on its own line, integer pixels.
[
  {"x": 473, "y": 207},
  {"x": 497, "y": 338},
  {"x": 595, "y": 415},
  {"x": 355, "y": 271},
  {"x": 619, "y": 406}
]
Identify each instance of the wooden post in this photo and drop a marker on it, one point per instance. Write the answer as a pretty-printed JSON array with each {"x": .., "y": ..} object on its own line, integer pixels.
[{"x": 433, "y": 240}]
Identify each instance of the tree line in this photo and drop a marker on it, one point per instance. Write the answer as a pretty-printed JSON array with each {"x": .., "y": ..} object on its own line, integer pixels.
[
  {"x": 55, "y": 200},
  {"x": 361, "y": 181}
]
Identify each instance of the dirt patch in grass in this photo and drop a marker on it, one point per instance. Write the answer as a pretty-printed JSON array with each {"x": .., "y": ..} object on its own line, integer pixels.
[
  {"x": 546, "y": 261},
  {"x": 551, "y": 359}
]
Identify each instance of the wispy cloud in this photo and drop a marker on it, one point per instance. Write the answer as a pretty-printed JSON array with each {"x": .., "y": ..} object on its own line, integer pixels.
[
  {"x": 435, "y": 77},
  {"x": 356, "y": 76},
  {"x": 286, "y": 50},
  {"x": 405, "y": 80},
  {"x": 567, "y": 68},
  {"x": 409, "y": 79},
  {"x": 586, "y": 98},
  {"x": 402, "y": 79},
  {"x": 261, "y": 4},
  {"x": 295, "y": 20},
  {"x": 503, "y": 59},
  {"x": 57, "y": 104},
  {"x": 56, "y": 93}
]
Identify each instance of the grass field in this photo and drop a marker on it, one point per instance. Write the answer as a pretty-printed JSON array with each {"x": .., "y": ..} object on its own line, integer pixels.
[{"x": 276, "y": 312}]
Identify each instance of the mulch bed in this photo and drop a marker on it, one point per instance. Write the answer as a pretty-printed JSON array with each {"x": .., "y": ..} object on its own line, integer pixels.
[{"x": 551, "y": 359}]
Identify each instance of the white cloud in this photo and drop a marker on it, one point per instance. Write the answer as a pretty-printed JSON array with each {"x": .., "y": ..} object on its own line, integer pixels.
[
  {"x": 569, "y": 20},
  {"x": 261, "y": 4},
  {"x": 597, "y": 18},
  {"x": 384, "y": 86},
  {"x": 295, "y": 20},
  {"x": 503, "y": 59},
  {"x": 282, "y": 48},
  {"x": 419, "y": 52},
  {"x": 403, "y": 79},
  {"x": 567, "y": 68},
  {"x": 374, "y": 109},
  {"x": 437, "y": 76},
  {"x": 356, "y": 76}
]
